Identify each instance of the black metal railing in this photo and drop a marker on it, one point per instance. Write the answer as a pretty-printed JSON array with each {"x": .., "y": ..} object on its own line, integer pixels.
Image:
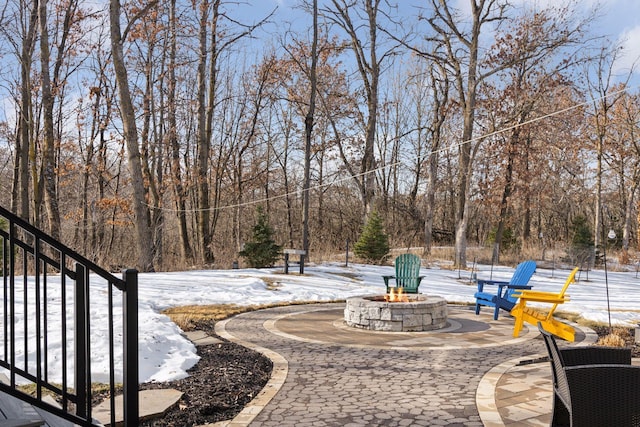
[{"x": 56, "y": 306}]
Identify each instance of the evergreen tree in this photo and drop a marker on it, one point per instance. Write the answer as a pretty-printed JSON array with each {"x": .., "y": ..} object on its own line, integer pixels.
[
  {"x": 262, "y": 250},
  {"x": 581, "y": 240},
  {"x": 373, "y": 244}
]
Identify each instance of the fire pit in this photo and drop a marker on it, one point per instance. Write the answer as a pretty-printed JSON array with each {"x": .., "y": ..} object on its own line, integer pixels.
[{"x": 409, "y": 313}]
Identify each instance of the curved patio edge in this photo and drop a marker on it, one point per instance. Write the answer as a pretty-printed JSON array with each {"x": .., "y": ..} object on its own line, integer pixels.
[
  {"x": 486, "y": 396},
  {"x": 277, "y": 379}
]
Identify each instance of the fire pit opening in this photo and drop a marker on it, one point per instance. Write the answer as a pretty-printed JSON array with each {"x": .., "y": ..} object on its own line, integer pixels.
[{"x": 396, "y": 312}]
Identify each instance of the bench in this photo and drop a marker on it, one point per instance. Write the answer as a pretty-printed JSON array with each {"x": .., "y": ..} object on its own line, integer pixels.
[{"x": 288, "y": 252}]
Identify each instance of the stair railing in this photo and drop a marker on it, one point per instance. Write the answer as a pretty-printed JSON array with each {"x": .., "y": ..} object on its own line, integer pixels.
[{"x": 45, "y": 284}]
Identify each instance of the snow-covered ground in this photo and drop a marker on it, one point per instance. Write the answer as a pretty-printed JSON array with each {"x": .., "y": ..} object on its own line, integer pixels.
[{"x": 165, "y": 354}]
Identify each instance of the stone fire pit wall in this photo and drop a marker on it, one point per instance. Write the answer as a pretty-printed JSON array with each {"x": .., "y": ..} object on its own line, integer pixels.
[{"x": 422, "y": 313}]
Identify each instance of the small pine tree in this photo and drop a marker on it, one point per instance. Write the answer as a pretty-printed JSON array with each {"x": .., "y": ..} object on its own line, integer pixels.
[
  {"x": 262, "y": 250},
  {"x": 373, "y": 244},
  {"x": 581, "y": 240},
  {"x": 581, "y": 237},
  {"x": 509, "y": 240}
]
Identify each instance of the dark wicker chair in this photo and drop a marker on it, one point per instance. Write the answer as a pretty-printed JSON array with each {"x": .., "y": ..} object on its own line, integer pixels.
[{"x": 593, "y": 386}]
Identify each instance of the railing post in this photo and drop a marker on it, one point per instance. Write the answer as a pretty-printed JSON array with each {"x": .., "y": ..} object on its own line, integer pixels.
[
  {"x": 82, "y": 362},
  {"x": 130, "y": 312}
]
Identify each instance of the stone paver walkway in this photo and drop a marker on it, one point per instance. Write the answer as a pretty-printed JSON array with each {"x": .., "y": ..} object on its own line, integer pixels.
[{"x": 327, "y": 374}]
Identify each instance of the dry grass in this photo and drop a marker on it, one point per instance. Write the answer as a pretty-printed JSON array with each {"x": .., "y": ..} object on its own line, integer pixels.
[
  {"x": 614, "y": 339},
  {"x": 187, "y": 317},
  {"x": 96, "y": 388},
  {"x": 619, "y": 337}
]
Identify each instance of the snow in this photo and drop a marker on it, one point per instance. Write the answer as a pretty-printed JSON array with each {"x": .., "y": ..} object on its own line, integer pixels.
[{"x": 165, "y": 354}]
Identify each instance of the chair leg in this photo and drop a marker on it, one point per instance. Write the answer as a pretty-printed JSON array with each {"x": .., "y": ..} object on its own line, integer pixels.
[
  {"x": 495, "y": 312},
  {"x": 518, "y": 313},
  {"x": 561, "y": 416},
  {"x": 477, "y": 308}
]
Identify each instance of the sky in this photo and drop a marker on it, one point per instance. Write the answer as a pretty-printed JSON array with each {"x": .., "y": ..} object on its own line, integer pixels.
[
  {"x": 165, "y": 354},
  {"x": 619, "y": 20}
]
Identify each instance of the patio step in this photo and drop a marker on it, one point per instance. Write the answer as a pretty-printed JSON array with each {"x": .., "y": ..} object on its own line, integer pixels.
[
  {"x": 153, "y": 404},
  {"x": 20, "y": 423},
  {"x": 16, "y": 413}
]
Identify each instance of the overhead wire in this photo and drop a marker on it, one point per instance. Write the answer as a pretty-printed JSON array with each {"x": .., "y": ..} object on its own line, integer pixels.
[{"x": 361, "y": 174}]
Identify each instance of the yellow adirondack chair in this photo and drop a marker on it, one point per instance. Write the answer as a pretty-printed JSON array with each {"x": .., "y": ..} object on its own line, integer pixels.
[{"x": 531, "y": 315}]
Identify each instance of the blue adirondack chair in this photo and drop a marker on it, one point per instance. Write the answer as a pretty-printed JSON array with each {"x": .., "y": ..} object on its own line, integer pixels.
[
  {"x": 502, "y": 297},
  {"x": 407, "y": 274}
]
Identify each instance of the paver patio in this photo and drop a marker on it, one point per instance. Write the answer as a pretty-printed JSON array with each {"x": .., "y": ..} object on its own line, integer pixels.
[{"x": 471, "y": 373}]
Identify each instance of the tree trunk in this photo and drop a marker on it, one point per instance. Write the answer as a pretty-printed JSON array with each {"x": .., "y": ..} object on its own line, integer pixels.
[
  {"x": 149, "y": 156},
  {"x": 48, "y": 149},
  {"x": 144, "y": 238},
  {"x": 308, "y": 128},
  {"x": 176, "y": 170},
  {"x": 25, "y": 126},
  {"x": 204, "y": 134},
  {"x": 369, "y": 70},
  {"x": 439, "y": 112},
  {"x": 628, "y": 215}
]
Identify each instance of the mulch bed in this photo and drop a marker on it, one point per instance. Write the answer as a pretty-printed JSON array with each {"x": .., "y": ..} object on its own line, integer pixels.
[
  {"x": 228, "y": 376},
  {"x": 225, "y": 379}
]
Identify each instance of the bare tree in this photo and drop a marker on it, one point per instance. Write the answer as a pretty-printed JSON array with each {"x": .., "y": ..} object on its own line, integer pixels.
[
  {"x": 49, "y": 86},
  {"x": 528, "y": 46},
  {"x": 205, "y": 117},
  {"x": 176, "y": 168},
  {"x": 459, "y": 39},
  {"x": 210, "y": 46},
  {"x": 628, "y": 164},
  {"x": 308, "y": 130},
  {"x": 603, "y": 99},
  {"x": 439, "y": 113},
  {"x": 144, "y": 235},
  {"x": 27, "y": 15},
  {"x": 362, "y": 37}
]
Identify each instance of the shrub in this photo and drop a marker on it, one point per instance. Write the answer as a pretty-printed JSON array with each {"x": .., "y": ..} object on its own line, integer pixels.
[
  {"x": 509, "y": 239},
  {"x": 582, "y": 244},
  {"x": 262, "y": 250},
  {"x": 373, "y": 244}
]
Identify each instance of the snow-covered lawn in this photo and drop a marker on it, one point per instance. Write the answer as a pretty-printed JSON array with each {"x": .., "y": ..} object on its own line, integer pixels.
[{"x": 165, "y": 354}]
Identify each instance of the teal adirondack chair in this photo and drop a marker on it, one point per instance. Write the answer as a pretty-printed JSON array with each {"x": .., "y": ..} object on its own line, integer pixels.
[
  {"x": 407, "y": 274},
  {"x": 503, "y": 297}
]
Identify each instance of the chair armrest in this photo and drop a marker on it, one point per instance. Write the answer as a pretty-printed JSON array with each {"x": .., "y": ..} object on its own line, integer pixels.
[
  {"x": 481, "y": 283},
  {"x": 540, "y": 296},
  {"x": 523, "y": 287},
  {"x": 501, "y": 291},
  {"x": 595, "y": 355},
  {"x": 491, "y": 282},
  {"x": 531, "y": 293},
  {"x": 387, "y": 278}
]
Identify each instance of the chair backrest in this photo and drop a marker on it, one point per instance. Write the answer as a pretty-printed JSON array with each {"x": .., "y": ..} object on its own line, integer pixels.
[
  {"x": 569, "y": 281},
  {"x": 407, "y": 270},
  {"x": 560, "y": 383},
  {"x": 523, "y": 273},
  {"x": 520, "y": 277}
]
